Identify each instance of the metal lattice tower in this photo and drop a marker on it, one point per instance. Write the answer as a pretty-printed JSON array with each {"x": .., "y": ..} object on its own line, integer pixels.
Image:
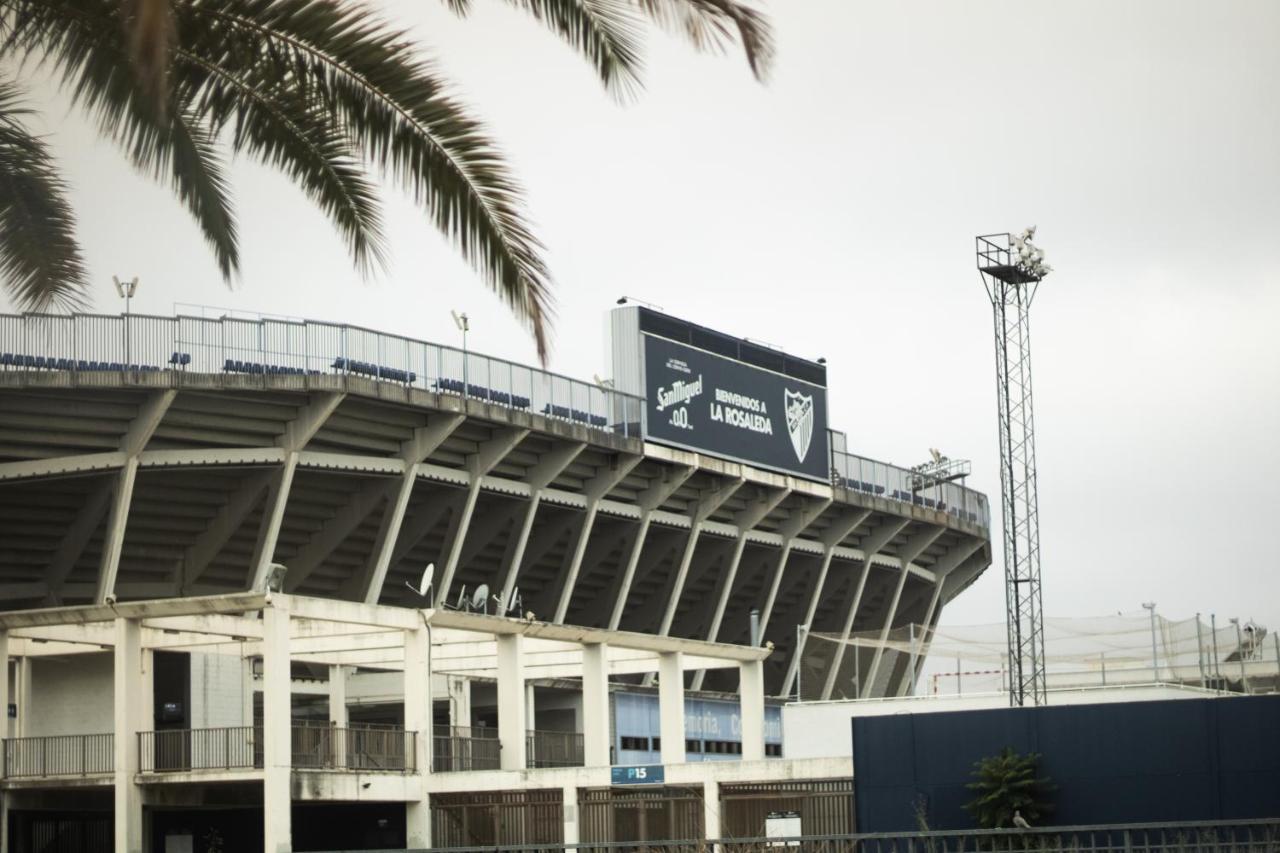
[{"x": 1011, "y": 280}]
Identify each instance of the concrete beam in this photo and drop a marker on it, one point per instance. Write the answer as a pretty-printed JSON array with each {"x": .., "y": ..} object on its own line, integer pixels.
[
  {"x": 75, "y": 538},
  {"x": 310, "y": 419},
  {"x": 269, "y": 527},
  {"x": 235, "y": 508}
]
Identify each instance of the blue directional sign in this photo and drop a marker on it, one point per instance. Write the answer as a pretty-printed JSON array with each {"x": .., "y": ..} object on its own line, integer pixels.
[{"x": 640, "y": 774}]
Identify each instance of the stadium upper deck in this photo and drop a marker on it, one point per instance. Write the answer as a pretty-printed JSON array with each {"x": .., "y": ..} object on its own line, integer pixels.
[{"x": 167, "y": 456}]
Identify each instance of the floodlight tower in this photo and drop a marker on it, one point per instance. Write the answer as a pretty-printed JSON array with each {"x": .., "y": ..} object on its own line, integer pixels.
[{"x": 1012, "y": 269}]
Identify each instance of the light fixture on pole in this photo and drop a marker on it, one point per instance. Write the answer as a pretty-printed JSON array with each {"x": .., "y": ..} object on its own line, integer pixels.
[
  {"x": 1155, "y": 665},
  {"x": 463, "y": 322},
  {"x": 126, "y": 289}
]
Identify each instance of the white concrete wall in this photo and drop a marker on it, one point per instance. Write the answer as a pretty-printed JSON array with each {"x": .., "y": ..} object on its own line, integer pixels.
[
  {"x": 71, "y": 695},
  {"x": 217, "y": 691},
  {"x": 817, "y": 729}
]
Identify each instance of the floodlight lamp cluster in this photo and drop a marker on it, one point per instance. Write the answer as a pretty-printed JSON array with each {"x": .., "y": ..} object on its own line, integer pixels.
[{"x": 1030, "y": 258}]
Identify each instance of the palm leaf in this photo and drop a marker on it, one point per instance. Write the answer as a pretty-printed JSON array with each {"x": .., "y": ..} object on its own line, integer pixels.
[
  {"x": 713, "y": 25},
  {"x": 399, "y": 113},
  {"x": 40, "y": 262}
]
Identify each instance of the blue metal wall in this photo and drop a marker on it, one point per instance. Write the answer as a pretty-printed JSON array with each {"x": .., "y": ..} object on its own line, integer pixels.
[
  {"x": 635, "y": 716},
  {"x": 1192, "y": 759}
]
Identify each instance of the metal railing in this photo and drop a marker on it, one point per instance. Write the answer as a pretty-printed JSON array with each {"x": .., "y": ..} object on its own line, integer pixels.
[
  {"x": 880, "y": 479},
  {"x": 93, "y": 344},
  {"x": 325, "y": 747},
  {"x": 1243, "y": 836},
  {"x": 553, "y": 749},
  {"x": 87, "y": 346},
  {"x": 312, "y": 747},
  {"x": 59, "y": 755},
  {"x": 458, "y": 748},
  {"x": 181, "y": 750}
]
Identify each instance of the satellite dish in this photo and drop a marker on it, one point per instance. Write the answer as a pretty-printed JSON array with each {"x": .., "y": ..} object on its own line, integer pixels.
[
  {"x": 428, "y": 574},
  {"x": 513, "y": 603},
  {"x": 480, "y": 600}
]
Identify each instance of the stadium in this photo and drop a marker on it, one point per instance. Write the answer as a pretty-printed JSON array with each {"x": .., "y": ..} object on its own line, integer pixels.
[{"x": 218, "y": 526}]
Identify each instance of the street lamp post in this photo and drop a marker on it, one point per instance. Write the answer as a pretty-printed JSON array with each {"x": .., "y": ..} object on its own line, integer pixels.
[
  {"x": 126, "y": 289},
  {"x": 1155, "y": 660},
  {"x": 463, "y": 322}
]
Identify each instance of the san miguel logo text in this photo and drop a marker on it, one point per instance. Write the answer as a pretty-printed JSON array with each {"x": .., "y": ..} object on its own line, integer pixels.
[
  {"x": 799, "y": 421},
  {"x": 679, "y": 393}
]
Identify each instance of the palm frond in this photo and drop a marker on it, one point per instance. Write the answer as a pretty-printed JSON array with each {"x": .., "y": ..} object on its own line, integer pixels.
[
  {"x": 713, "y": 25},
  {"x": 283, "y": 129},
  {"x": 40, "y": 261},
  {"x": 605, "y": 32},
  {"x": 85, "y": 41},
  {"x": 150, "y": 31},
  {"x": 399, "y": 113}
]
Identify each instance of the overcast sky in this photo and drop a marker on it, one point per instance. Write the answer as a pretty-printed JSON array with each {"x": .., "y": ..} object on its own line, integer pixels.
[{"x": 832, "y": 212}]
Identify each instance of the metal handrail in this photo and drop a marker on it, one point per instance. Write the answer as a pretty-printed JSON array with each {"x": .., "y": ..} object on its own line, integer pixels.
[
  {"x": 59, "y": 755},
  {"x": 1230, "y": 836},
  {"x": 458, "y": 748},
  {"x": 554, "y": 749},
  {"x": 90, "y": 345},
  {"x": 314, "y": 747},
  {"x": 137, "y": 343}
]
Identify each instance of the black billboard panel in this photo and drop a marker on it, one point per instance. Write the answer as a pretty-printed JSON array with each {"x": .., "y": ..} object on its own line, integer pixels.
[{"x": 701, "y": 401}]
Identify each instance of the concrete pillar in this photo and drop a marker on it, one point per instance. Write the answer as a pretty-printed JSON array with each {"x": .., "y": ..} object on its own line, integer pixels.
[
  {"x": 511, "y": 696},
  {"x": 751, "y": 701},
  {"x": 338, "y": 696},
  {"x": 571, "y": 835},
  {"x": 530, "y": 707},
  {"x": 149, "y": 692},
  {"x": 417, "y": 718},
  {"x": 460, "y": 702},
  {"x": 595, "y": 705},
  {"x": 127, "y": 722},
  {"x": 277, "y": 731},
  {"x": 711, "y": 810},
  {"x": 4, "y": 733},
  {"x": 671, "y": 706},
  {"x": 247, "y": 690},
  {"x": 22, "y": 686},
  {"x": 4, "y": 684}
]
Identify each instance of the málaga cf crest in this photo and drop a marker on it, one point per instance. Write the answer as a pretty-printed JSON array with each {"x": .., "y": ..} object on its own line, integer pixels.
[{"x": 799, "y": 409}]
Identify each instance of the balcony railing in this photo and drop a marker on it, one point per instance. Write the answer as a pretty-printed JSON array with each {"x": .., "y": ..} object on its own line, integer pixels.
[
  {"x": 324, "y": 747},
  {"x": 553, "y": 749},
  {"x": 86, "y": 346},
  {"x": 457, "y": 748},
  {"x": 883, "y": 480},
  {"x": 313, "y": 747},
  {"x": 59, "y": 755},
  {"x": 182, "y": 750},
  {"x": 97, "y": 344}
]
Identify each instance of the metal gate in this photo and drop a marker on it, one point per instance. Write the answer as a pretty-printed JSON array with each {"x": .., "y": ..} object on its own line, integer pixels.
[
  {"x": 825, "y": 806},
  {"x": 640, "y": 814},
  {"x": 490, "y": 818},
  {"x": 60, "y": 832}
]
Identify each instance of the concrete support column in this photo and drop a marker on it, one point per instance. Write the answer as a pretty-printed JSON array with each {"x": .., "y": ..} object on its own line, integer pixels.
[
  {"x": 247, "y": 690},
  {"x": 4, "y": 733},
  {"x": 127, "y": 722},
  {"x": 711, "y": 809},
  {"x": 571, "y": 834},
  {"x": 4, "y": 687},
  {"x": 277, "y": 731},
  {"x": 530, "y": 707},
  {"x": 751, "y": 700},
  {"x": 148, "y": 723},
  {"x": 417, "y": 718},
  {"x": 22, "y": 686},
  {"x": 511, "y": 697},
  {"x": 595, "y": 705},
  {"x": 671, "y": 706},
  {"x": 460, "y": 702},
  {"x": 338, "y": 696}
]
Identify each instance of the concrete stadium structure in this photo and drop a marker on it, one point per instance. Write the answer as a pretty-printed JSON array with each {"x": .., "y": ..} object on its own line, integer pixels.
[{"x": 152, "y": 458}]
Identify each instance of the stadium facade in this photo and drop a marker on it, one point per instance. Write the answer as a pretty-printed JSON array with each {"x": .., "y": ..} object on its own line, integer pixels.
[{"x": 156, "y": 473}]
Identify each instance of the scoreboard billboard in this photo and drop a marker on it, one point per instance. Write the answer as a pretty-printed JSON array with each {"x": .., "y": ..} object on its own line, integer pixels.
[{"x": 703, "y": 401}]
